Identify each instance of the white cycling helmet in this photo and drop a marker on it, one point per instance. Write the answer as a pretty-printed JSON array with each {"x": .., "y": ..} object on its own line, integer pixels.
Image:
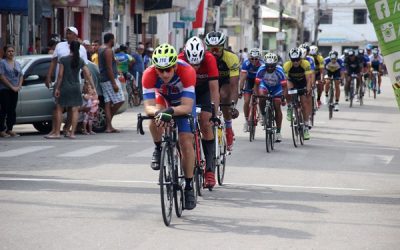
[
  {"x": 295, "y": 53},
  {"x": 303, "y": 52},
  {"x": 255, "y": 53},
  {"x": 194, "y": 50},
  {"x": 215, "y": 38},
  {"x": 271, "y": 58},
  {"x": 313, "y": 50}
]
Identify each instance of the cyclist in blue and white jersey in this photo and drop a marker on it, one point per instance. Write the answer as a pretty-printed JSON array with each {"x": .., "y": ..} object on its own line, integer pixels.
[
  {"x": 246, "y": 81},
  {"x": 334, "y": 67},
  {"x": 376, "y": 62}
]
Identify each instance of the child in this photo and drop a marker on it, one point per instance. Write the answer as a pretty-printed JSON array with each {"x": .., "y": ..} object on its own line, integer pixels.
[{"x": 91, "y": 102}]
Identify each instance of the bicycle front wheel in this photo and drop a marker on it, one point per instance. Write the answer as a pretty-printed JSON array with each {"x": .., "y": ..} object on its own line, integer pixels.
[
  {"x": 166, "y": 183},
  {"x": 267, "y": 131},
  {"x": 294, "y": 125},
  {"x": 222, "y": 157},
  {"x": 178, "y": 187},
  {"x": 272, "y": 128},
  {"x": 330, "y": 103}
]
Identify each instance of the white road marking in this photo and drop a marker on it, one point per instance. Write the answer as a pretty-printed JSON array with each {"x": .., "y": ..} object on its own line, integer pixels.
[
  {"x": 148, "y": 152},
  {"x": 363, "y": 159},
  {"x": 87, "y": 151},
  {"x": 155, "y": 182},
  {"x": 23, "y": 150}
]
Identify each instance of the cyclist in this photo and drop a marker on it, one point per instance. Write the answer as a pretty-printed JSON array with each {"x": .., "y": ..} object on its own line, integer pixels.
[
  {"x": 353, "y": 65},
  {"x": 298, "y": 72},
  {"x": 168, "y": 89},
  {"x": 305, "y": 50},
  {"x": 363, "y": 57},
  {"x": 377, "y": 65},
  {"x": 124, "y": 60},
  {"x": 319, "y": 72},
  {"x": 207, "y": 92},
  {"x": 246, "y": 82},
  {"x": 334, "y": 67},
  {"x": 270, "y": 78},
  {"x": 228, "y": 67}
]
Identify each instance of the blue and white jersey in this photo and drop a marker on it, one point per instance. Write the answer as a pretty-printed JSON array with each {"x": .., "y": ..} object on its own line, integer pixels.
[
  {"x": 312, "y": 62},
  {"x": 271, "y": 79},
  {"x": 376, "y": 62},
  {"x": 251, "y": 69},
  {"x": 333, "y": 66}
]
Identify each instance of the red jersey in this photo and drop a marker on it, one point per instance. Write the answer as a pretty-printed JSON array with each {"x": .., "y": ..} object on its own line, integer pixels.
[{"x": 208, "y": 69}]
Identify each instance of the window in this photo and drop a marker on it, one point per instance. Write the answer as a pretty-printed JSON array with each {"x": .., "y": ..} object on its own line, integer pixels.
[
  {"x": 39, "y": 69},
  {"x": 325, "y": 16},
  {"x": 360, "y": 16}
]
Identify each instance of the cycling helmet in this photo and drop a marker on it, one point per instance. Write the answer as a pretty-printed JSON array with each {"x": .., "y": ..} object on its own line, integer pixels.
[
  {"x": 375, "y": 52},
  {"x": 368, "y": 47},
  {"x": 361, "y": 51},
  {"x": 303, "y": 52},
  {"x": 346, "y": 52},
  {"x": 194, "y": 50},
  {"x": 333, "y": 54},
  {"x": 255, "y": 53},
  {"x": 164, "y": 56},
  {"x": 350, "y": 52},
  {"x": 271, "y": 60},
  {"x": 215, "y": 38},
  {"x": 305, "y": 46},
  {"x": 313, "y": 50},
  {"x": 295, "y": 53}
]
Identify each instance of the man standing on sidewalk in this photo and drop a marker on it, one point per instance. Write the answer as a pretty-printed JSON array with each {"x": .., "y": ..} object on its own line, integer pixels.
[{"x": 112, "y": 89}]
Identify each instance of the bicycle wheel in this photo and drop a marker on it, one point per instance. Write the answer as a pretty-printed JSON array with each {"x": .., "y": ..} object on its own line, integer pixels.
[
  {"x": 313, "y": 108},
  {"x": 351, "y": 93},
  {"x": 330, "y": 103},
  {"x": 222, "y": 157},
  {"x": 301, "y": 126},
  {"x": 294, "y": 126},
  {"x": 374, "y": 88},
  {"x": 252, "y": 122},
  {"x": 129, "y": 91},
  {"x": 166, "y": 183},
  {"x": 178, "y": 188},
  {"x": 198, "y": 180},
  {"x": 272, "y": 128},
  {"x": 361, "y": 94},
  {"x": 267, "y": 131}
]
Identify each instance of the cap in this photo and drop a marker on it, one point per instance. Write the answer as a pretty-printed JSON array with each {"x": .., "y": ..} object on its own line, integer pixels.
[
  {"x": 86, "y": 42},
  {"x": 150, "y": 49},
  {"x": 73, "y": 29},
  {"x": 141, "y": 46}
]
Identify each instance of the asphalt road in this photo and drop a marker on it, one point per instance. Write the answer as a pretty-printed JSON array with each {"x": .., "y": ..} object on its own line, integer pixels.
[{"x": 339, "y": 191}]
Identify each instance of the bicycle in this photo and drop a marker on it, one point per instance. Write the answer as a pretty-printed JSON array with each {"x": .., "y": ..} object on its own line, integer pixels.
[
  {"x": 253, "y": 117},
  {"x": 361, "y": 90},
  {"x": 221, "y": 150},
  {"x": 331, "y": 94},
  {"x": 171, "y": 178},
  {"x": 314, "y": 104},
  {"x": 375, "y": 84},
  {"x": 132, "y": 90},
  {"x": 353, "y": 84},
  {"x": 200, "y": 163},
  {"x": 297, "y": 121}
]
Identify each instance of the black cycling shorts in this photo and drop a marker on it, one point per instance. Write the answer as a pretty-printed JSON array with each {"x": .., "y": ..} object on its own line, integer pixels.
[
  {"x": 203, "y": 98},
  {"x": 335, "y": 74}
]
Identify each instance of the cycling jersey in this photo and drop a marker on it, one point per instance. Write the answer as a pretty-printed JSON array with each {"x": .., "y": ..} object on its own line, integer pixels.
[
  {"x": 364, "y": 59},
  {"x": 312, "y": 63},
  {"x": 297, "y": 75},
  {"x": 331, "y": 66},
  {"x": 207, "y": 71},
  {"x": 123, "y": 61},
  {"x": 272, "y": 82},
  {"x": 376, "y": 62},
  {"x": 228, "y": 66},
  {"x": 181, "y": 85},
  {"x": 251, "y": 69},
  {"x": 353, "y": 66},
  {"x": 319, "y": 62}
]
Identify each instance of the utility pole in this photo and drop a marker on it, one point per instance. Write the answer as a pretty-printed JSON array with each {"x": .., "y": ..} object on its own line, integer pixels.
[
  {"x": 317, "y": 20},
  {"x": 256, "y": 29},
  {"x": 280, "y": 41},
  {"x": 106, "y": 15}
]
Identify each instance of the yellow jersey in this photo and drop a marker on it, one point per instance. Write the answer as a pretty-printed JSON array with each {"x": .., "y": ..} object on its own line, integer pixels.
[
  {"x": 228, "y": 66},
  {"x": 297, "y": 75}
]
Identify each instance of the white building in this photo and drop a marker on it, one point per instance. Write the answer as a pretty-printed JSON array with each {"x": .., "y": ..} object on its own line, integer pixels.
[{"x": 343, "y": 24}]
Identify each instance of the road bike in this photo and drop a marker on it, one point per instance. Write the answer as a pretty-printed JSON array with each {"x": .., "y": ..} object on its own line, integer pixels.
[
  {"x": 132, "y": 90},
  {"x": 253, "y": 117},
  {"x": 297, "y": 120},
  {"x": 171, "y": 177},
  {"x": 314, "y": 104},
  {"x": 353, "y": 85},
  {"x": 375, "y": 83},
  {"x": 220, "y": 146},
  {"x": 200, "y": 162},
  {"x": 331, "y": 95}
]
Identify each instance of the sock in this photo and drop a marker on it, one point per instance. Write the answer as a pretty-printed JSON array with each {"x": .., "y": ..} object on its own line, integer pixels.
[
  {"x": 188, "y": 184},
  {"x": 158, "y": 145},
  {"x": 208, "y": 148},
  {"x": 337, "y": 101},
  {"x": 278, "y": 130},
  {"x": 228, "y": 123}
]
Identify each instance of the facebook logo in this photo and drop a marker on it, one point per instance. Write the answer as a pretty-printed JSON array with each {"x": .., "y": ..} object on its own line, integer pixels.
[{"x": 382, "y": 9}]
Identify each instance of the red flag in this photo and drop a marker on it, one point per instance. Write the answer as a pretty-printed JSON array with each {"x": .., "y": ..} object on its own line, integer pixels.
[{"x": 198, "y": 23}]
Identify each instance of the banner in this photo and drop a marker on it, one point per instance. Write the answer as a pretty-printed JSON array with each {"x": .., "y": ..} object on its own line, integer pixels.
[
  {"x": 385, "y": 16},
  {"x": 69, "y": 3}
]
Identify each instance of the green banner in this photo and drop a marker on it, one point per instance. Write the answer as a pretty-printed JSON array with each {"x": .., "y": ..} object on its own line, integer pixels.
[{"x": 385, "y": 16}]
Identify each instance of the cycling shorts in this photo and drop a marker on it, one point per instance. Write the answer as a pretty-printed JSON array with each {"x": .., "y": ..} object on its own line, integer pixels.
[
  {"x": 249, "y": 85},
  {"x": 182, "y": 124},
  {"x": 203, "y": 98},
  {"x": 353, "y": 70},
  {"x": 335, "y": 74},
  {"x": 275, "y": 91},
  {"x": 298, "y": 84}
]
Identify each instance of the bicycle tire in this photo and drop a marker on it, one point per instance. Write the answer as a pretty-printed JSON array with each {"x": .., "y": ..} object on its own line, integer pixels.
[
  {"x": 273, "y": 128},
  {"x": 361, "y": 94},
  {"x": 330, "y": 103},
  {"x": 199, "y": 180},
  {"x": 222, "y": 161},
  {"x": 351, "y": 94},
  {"x": 301, "y": 126},
  {"x": 313, "y": 108},
  {"x": 166, "y": 183},
  {"x": 267, "y": 134},
  {"x": 178, "y": 189},
  {"x": 252, "y": 126},
  {"x": 294, "y": 130}
]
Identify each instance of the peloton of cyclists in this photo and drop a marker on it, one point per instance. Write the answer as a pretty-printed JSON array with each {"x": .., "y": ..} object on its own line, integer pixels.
[
  {"x": 169, "y": 89},
  {"x": 228, "y": 67},
  {"x": 207, "y": 92},
  {"x": 247, "y": 79}
]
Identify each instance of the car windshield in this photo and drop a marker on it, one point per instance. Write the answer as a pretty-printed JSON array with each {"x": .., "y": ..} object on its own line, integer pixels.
[{"x": 23, "y": 61}]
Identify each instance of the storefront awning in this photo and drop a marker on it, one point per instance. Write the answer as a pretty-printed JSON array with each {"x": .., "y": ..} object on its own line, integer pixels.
[
  {"x": 14, "y": 6},
  {"x": 270, "y": 29},
  {"x": 267, "y": 13}
]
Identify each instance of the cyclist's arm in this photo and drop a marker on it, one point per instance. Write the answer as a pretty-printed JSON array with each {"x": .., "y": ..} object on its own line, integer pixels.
[
  {"x": 109, "y": 58},
  {"x": 150, "y": 107},
  {"x": 214, "y": 92},
  {"x": 234, "y": 82},
  {"x": 242, "y": 79},
  {"x": 185, "y": 107}
]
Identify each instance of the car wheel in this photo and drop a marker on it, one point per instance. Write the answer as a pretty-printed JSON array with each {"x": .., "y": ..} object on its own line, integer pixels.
[
  {"x": 43, "y": 127},
  {"x": 99, "y": 125}
]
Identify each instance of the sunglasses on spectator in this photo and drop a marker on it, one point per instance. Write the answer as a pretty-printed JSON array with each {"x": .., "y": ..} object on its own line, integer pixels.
[
  {"x": 215, "y": 49},
  {"x": 165, "y": 70}
]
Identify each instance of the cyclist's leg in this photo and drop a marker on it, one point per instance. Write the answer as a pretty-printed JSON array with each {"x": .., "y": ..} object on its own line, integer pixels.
[
  {"x": 262, "y": 90},
  {"x": 278, "y": 113},
  {"x": 379, "y": 82},
  {"x": 156, "y": 134},
  {"x": 246, "y": 97},
  {"x": 289, "y": 114},
  {"x": 225, "y": 95},
  {"x": 306, "y": 106}
]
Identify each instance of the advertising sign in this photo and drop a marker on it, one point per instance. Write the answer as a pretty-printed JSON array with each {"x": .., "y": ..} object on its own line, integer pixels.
[
  {"x": 385, "y": 16},
  {"x": 69, "y": 3}
]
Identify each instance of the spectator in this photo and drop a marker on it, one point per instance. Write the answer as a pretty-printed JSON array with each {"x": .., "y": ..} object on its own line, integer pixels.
[
  {"x": 138, "y": 67},
  {"x": 51, "y": 45},
  {"x": 68, "y": 88},
  {"x": 147, "y": 57},
  {"x": 245, "y": 54},
  {"x": 112, "y": 90},
  {"x": 95, "y": 55},
  {"x": 62, "y": 49},
  {"x": 10, "y": 84},
  {"x": 88, "y": 47},
  {"x": 91, "y": 102}
]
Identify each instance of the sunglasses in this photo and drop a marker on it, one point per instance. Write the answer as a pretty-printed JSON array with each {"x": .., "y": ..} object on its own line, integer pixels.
[
  {"x": 295, "y": 60},
  {"x": 168, "y": 70},
  {"x": 254, "y": 59},
  {"x": 215, "y": 49}
]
